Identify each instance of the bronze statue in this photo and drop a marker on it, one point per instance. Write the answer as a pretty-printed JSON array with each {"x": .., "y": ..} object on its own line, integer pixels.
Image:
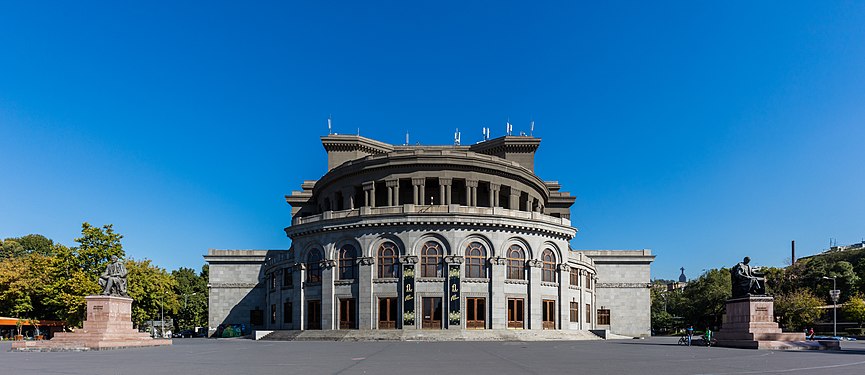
[
  {"x": 747, "y": 281},
  {"x": 113, "y": 280}
]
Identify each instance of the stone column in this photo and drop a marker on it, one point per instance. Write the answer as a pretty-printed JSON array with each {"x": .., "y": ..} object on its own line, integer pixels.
[
  {"x": 564, "y": 274},
  {"x": 417, "y": 187},
  {"x": 392, "y": 192},
  {"x": 422, "y": 188},
  {"x": 445, "y": 190},
  {"x": 535, "y": 316},
  {"x": 365, "y": 303},
  {"x": 472, "y": 198},
  {"x": 515, "y": 199},
  {"x": 329, "y": 304},
  {"x": 300, "y": 301},
  {"x": 369, "y": 194},
  {"x": 494, "y": 194},
  {"x": 499, "y": 315}
]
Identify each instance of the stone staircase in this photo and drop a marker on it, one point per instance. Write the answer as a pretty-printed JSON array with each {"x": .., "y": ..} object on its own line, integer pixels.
[{"x": 430, "y": 335}]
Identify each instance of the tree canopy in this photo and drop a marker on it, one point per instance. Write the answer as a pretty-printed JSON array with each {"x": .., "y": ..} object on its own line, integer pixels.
[{"x": 48, "y": 281}]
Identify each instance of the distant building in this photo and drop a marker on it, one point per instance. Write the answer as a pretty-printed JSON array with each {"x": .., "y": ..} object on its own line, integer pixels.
[{"x": 431, "y": 237}]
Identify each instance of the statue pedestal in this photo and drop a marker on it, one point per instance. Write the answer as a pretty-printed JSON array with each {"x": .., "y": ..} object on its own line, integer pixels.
[
  {"x": 108, "y": 325},
  {"x": 749, "y": 324}
]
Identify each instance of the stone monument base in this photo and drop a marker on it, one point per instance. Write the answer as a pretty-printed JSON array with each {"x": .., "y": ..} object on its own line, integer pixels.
[
  {"x": 108, "y": 326},
  {"x": 749, "y": 324}
]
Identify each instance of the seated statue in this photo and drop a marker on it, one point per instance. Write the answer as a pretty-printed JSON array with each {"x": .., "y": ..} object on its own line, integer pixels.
[
  {"x": 113, "y": 280},
  {"x": 747, "y": 281}
]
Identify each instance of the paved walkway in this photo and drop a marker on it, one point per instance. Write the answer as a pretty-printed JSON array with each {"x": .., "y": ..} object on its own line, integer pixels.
[{"x": 239, "y": 356}]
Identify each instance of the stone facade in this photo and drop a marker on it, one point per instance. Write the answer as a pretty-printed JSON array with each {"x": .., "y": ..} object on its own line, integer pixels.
[{"x": 429, "y": 237}]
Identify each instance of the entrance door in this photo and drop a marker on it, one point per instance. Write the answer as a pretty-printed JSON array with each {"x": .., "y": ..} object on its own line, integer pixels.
[
  {"x": 476, "y": 313},
  {"x": 387, "y": 310},
  {"x": 313, "y": 314},
  {"x": 432, "y": 313},
  {"x": 347, "y": 313},
  {"x": 515, "y": 312},
  {"x": 549, "y": 313}
]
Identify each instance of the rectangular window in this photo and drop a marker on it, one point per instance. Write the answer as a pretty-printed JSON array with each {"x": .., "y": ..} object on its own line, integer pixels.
[
  {"x": 272, "y": 281},
  {"x": 287, "y": 278},
  {"x": 604, "y": 317},
  {"x": 287, "y": 313},
  {"x": 575, "y": 312},
  {"x": 273, "y": 314},
  {"x": 575, "y": 277},
  {"x": 588, "y": 281},
  {"x": 588, "y": 313}
]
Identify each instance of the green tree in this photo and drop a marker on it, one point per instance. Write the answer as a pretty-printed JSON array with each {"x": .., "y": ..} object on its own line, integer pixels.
[
  {"x": 10, "y": 248},
  {"x": 23, "y": 287},
  {"x": 191, "y": 289},
  {"x": 705, "y": 298},
  {"x": 854, "y": 309},
  {"x": 151, "y": 288},
  {"x": 96, "y": 246},
  {"x": 798, "y": 309}
]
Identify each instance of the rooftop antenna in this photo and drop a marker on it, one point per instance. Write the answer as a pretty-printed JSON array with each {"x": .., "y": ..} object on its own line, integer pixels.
[
  {"x": 457, "y": 137},
  {"x": 406, "y": 137},
  {"x": 509, "y": 127},
  {"x": 329, "y": 125},
  {"x": 532, "y": 129},
  {"x": 486, "y": 132}
]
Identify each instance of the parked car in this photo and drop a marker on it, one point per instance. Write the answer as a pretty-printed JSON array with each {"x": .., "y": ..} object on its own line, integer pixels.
[{"x": 185, "y": 333}]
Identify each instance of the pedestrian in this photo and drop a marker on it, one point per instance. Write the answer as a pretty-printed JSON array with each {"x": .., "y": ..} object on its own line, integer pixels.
[
  {"x": 708, "y": 336},
  {"x": 811, "y": 333},
  {"x": 690, "y": 334}
]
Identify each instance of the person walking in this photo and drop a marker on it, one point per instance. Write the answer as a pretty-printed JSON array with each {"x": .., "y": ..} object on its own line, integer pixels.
[
  {"x": 690, "y": 334},
  {"x": 811, "y": 334}
]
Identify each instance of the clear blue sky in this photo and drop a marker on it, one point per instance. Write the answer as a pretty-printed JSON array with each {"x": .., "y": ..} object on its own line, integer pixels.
[{"x": 702, "y": 131}]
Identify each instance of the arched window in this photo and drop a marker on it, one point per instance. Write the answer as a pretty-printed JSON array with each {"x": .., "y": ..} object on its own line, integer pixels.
[
  {"x": 313, "y": 266},
  {"x": 548, "y": 266},
  {"x": 516, "y": 263},
  {"x": 431, "y": 259},
  {"x": 476, "y": 260},
  {"x": 387, "y": 265},
  {"x": 347, "y": 263}
]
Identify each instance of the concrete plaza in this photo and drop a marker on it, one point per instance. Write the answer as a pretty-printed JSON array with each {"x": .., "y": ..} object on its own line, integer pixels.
[{"x": 240, "y": 356}]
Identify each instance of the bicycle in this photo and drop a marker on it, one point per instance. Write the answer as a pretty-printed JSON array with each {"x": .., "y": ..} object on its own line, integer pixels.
[{"x": 683, "y": 340}]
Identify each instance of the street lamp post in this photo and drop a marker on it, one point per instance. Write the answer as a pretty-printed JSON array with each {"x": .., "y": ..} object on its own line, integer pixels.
[
  {"x": 834, "y": 293},
  {"x": 162, "y": 313}
]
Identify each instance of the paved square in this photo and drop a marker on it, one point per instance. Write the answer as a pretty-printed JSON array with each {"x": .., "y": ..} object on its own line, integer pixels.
[{"x": 238, "y": 356}]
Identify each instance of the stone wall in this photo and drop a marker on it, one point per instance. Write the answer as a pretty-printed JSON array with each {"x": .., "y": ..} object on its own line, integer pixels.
[
  {"x": 235, "y": 286},
  {"x": 623, "y": 287}
]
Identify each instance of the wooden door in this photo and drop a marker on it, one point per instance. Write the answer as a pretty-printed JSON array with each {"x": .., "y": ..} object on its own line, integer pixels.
[
  {"x": 347, "y": 313},
  {"x": 549, "y": 313},
  {"x": 432, "y": 313},
  {"x": 387, "y": 313},
  {"x": 476, "y": 313},
  {"x": 313, "y": 314},
  {"x": 515, "y": 313}
]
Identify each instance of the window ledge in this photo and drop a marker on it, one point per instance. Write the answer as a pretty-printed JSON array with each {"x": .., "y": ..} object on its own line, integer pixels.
[
  {"x": 344, "y": 282},
  {"x": 431, "y": 279},
  {"x": 549, "y": 283},
  {"x": 476, "y": 280},
  {"x": 386, "y": 280},
  {"x": 516, "y": 281}
]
